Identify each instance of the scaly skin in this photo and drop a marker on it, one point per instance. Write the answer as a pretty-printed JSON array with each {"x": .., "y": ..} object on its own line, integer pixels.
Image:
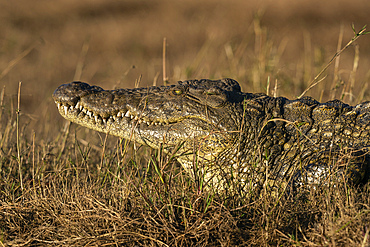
[{"x": 239, "y": 141}]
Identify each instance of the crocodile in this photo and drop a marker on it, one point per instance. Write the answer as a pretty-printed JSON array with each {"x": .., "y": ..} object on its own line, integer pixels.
[{"x": 230, "y": 139}]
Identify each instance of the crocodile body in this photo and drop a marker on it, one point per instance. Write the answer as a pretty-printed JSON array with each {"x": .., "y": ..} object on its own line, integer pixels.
[{"x": 239, "y": 141}]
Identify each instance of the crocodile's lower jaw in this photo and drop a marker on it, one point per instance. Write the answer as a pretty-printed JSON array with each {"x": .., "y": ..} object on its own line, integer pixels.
[
  {"x": 123, "y": 125},
  {"x": 77, "y": 111},
  {"x": 153, "y": 134}
]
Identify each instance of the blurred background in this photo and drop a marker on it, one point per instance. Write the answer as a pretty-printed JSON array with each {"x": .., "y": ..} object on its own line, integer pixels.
[{"x": 115, "y": 44}]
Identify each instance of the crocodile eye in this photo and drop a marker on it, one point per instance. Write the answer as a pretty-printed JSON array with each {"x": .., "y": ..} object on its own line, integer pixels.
[{"x": 177, "y": 92}]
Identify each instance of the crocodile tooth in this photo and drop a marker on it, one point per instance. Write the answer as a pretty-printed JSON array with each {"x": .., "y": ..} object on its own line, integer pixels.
[
  {"x": 136, "y": 118},
  {"x": 140, "y": 121},
  {"x": 77, "y": 105},
  {"x": 148, "y": 123},
  {"x": 65, "y": 110},
  {"x": 84, "y": 110},
  {"x": 96, "y": 118},
  {"x": 104, "y": 121},
  {"x": 127, "y": 114},
  {"x": 114, "y": 118},
  {"x": 81, "y": 107},
  {"x": 119, "y": 114},
  {"x": 58, "y": 105}
]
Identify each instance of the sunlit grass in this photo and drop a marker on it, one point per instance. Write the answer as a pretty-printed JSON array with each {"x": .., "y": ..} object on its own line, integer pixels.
[{"x": 61, "y": 184}]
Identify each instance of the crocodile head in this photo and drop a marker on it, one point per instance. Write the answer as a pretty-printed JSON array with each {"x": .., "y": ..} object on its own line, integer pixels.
[{"x": 199, "y": 115}]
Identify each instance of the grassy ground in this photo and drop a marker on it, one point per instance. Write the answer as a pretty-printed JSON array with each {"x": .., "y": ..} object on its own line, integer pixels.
[{"x": 61, "y": 184}]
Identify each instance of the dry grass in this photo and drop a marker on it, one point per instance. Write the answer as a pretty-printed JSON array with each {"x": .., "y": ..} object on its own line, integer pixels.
[{"x": 77, "y": 187}]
